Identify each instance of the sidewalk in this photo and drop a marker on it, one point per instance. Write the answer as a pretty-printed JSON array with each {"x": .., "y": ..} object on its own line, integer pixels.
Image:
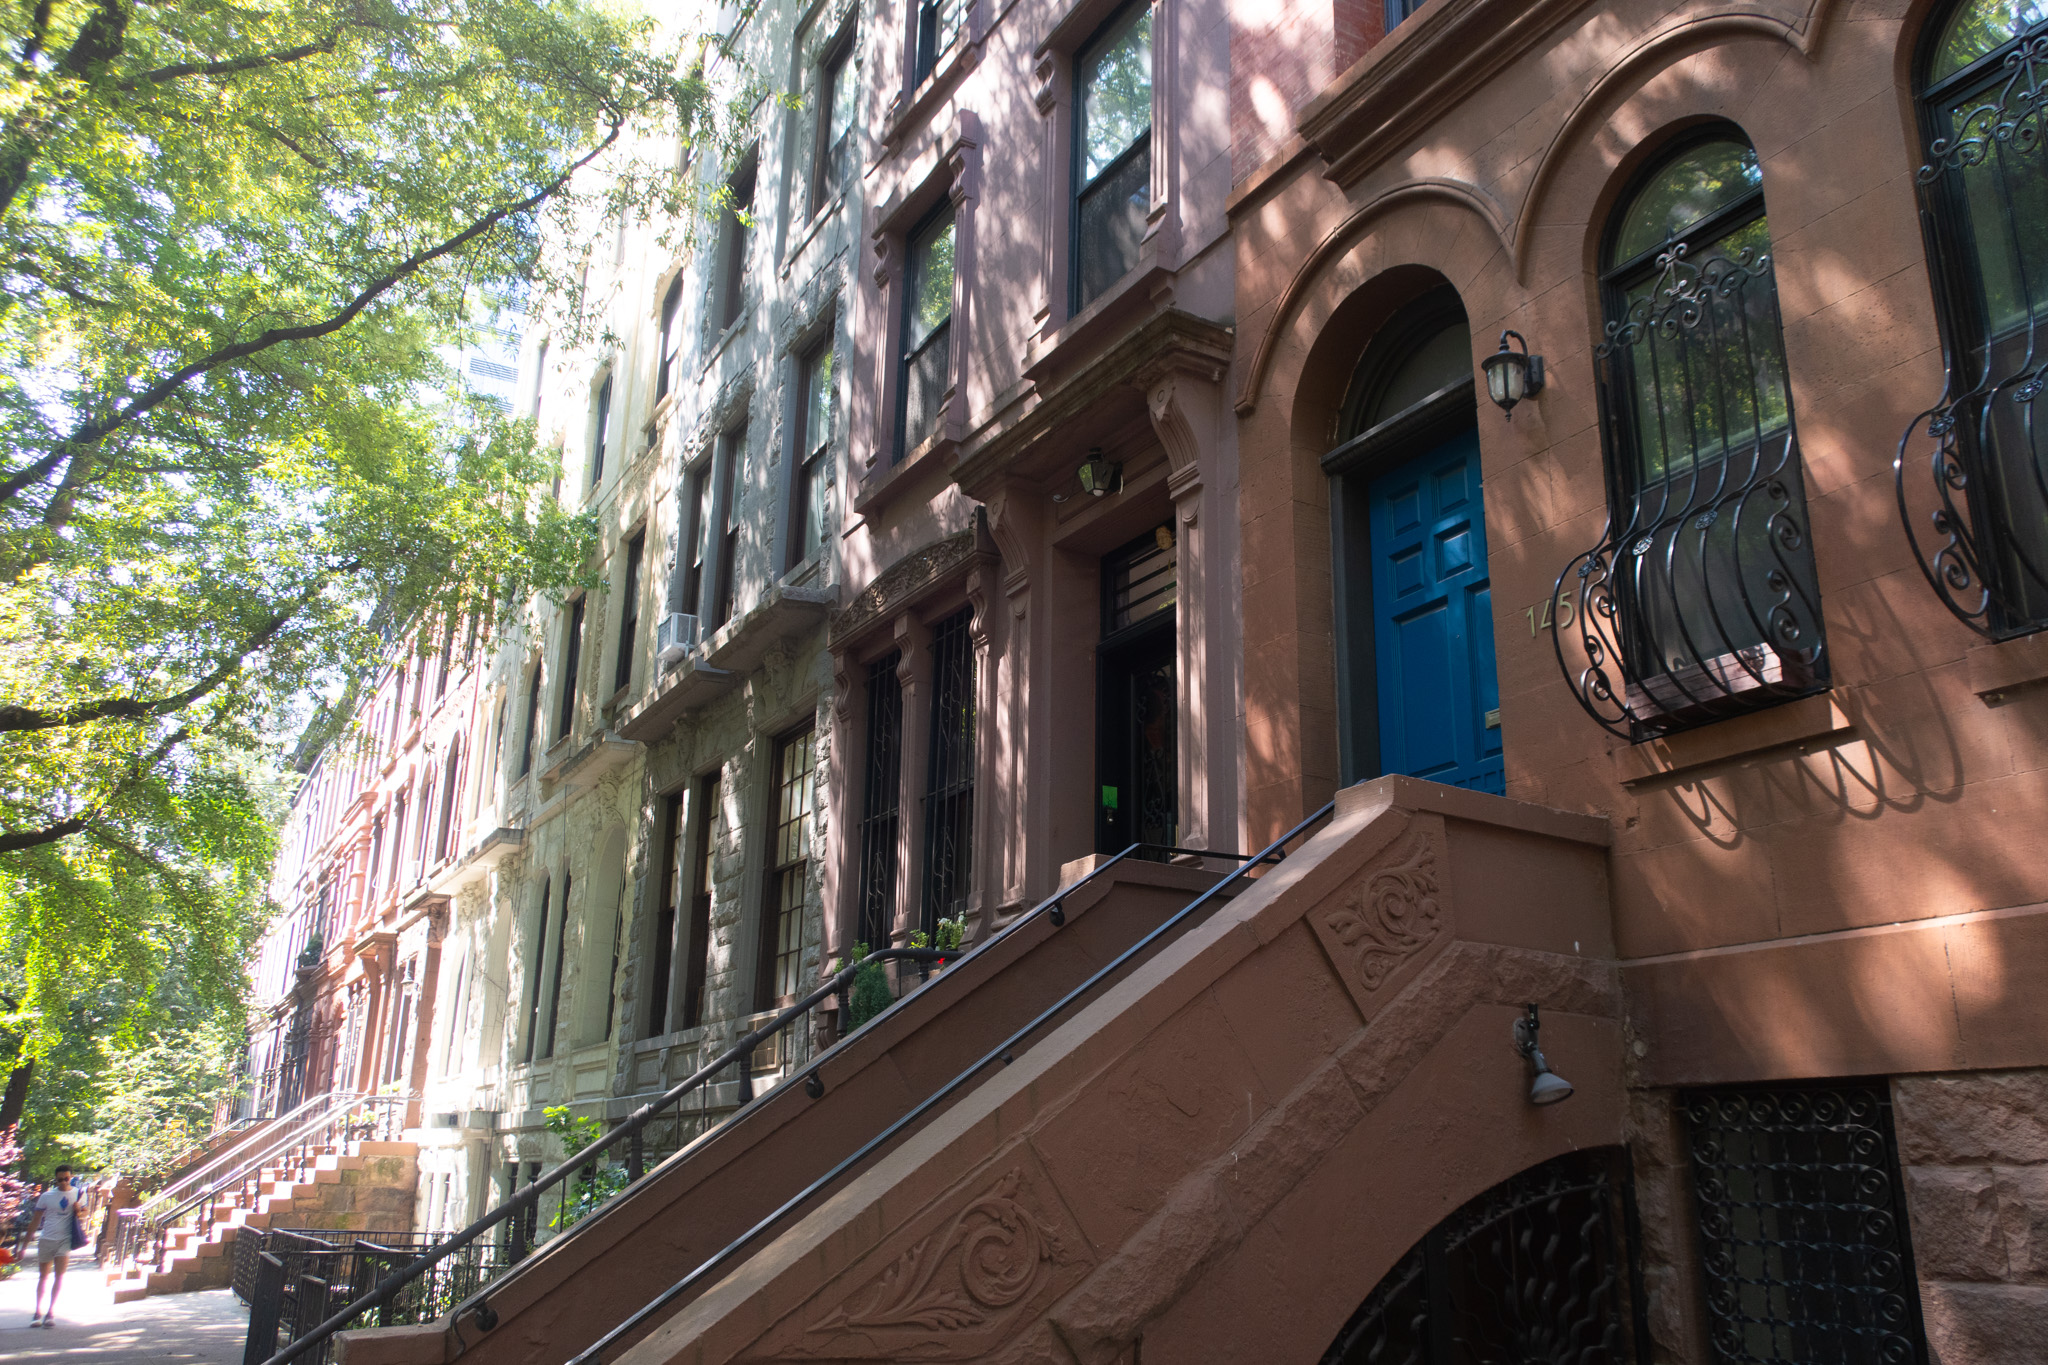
[{"x": 206, "y": 1328}]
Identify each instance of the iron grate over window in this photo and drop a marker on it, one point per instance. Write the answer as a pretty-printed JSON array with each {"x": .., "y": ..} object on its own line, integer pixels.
[
  {"x": 1972, "y": 470},
  {"x": 1534, "y": 1269},
  {"x": 880, "y": 801},
  {"x": 1803, "y": 1235},
  {"x": 1140, "y": 580},
  {"x": 949, "y": 786},
  {"x": 1700, "y": 600}
]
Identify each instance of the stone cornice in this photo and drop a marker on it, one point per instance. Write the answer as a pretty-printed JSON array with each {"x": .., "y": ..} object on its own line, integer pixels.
[
  {"x": 907, "y": 581},
  {"x": 1172, "y": 340},
  {"x": 1434, "y": 60}
]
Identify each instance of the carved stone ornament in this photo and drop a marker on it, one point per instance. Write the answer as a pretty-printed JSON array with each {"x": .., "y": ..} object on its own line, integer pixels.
[
  {"x": 965, "y": 1279},
  {"x": 900, "y": 582},
  {"x": 1388, "y": 918}
]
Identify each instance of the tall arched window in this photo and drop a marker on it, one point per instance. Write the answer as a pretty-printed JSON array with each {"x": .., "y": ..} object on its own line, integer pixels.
[
  {"x": 1973, "y": 469},
  {"x": 1700, "y": 601}
]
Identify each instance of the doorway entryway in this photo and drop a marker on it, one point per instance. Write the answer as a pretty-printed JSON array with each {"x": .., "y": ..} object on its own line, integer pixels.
[
  {"x": 1418, "y": 691},
  {"x": 1136, "y": 697}
]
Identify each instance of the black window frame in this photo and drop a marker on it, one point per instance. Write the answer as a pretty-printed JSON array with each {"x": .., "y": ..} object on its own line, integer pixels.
[
  {"x": 629, "y": 611},
  {"x": 732, "y": 450},
  {"x": 926, "y": 231},
  {"x": 881, "y": 804},
  {"x": 1080, "y": 189},
  {"x": 538, "y": 962},
  {"x": 736, "y": 240},
  {"x": 1695, "y": 606},
  {"x": 930, "y": 40},
  {"x": 530, "y": 748},
  {"x": 811, "y": 474},
  {"x": 670, "y": 338},
  {"x": 826, "y": 175},
  {"x": 572, "y": 661},
  {"x": 952, "y": 758},
  {"x": 698, "y": 511},
  {"x": 666, "y": 918},
  {"x": 779, "y": 962},
  {"x": 1957, "y": 480},
  {"x": 601, "y": 406}
]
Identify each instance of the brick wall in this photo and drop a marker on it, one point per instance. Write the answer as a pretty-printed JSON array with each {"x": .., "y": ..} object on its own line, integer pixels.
[
  {"x": 1974, "y": 1149},
  {"x": 1283, "y": 54}
]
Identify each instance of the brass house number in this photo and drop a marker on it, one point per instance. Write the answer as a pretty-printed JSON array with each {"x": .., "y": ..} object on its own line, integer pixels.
[{"x": 1567, "y": 611}]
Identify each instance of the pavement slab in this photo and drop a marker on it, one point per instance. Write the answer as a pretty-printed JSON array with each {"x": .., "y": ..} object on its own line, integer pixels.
[{"x": 203, "y": 1328}]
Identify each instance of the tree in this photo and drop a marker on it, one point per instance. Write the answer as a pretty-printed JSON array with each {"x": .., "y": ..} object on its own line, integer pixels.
[{"x": 238, "y": 240}]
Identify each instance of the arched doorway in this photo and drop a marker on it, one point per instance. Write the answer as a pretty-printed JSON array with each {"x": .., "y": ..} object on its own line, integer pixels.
[
  {"x": 1535, "y": 1270},
  {"x": 1416, "y": 686}
]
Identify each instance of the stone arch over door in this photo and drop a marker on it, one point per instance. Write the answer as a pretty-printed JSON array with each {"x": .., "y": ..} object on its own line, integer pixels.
[{"x": 1286, "y": 425}]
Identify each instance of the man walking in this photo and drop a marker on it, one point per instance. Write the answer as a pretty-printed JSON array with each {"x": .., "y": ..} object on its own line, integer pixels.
[{"x": 56, "y": 1206}]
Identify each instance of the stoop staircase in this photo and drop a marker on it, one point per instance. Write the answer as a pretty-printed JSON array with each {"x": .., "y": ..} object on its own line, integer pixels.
[
  {"x": 678, "y": 1211},
  {"x": 330, "y": 1163}
]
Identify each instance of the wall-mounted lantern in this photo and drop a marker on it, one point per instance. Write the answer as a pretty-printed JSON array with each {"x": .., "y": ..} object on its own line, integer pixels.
[
  {"x": 1512, "y": 375},
  {"x": 1099, "y": 475},
  {"x": 1545, "y": 1085}
]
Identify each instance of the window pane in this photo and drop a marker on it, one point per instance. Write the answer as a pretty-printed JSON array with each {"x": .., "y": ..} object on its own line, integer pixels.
[
  {"x": 1980, "y": 29},
  {"x": 924, "y": 389},
  {"x": 817, "y": 488},
  {"x": 818, "y": 399},
  {"x": 1116, "y": 92},
  {"x": 1707, "y": 178},
  {"x": 1112, "y": 225},
  {"x": 839, "y": 113},
  {"x": 931, "y": 282}
]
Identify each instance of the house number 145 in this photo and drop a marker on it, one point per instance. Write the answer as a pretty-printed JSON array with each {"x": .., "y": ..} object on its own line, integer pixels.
[{"x": 1565, "y": 612}]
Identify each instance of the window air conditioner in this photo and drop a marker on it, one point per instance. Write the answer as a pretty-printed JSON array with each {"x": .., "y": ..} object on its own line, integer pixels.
[{"x": 675, "y": 637}]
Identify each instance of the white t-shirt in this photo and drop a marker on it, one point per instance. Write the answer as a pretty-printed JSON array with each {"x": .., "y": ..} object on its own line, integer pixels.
[{"x": 55, "y": 1205}]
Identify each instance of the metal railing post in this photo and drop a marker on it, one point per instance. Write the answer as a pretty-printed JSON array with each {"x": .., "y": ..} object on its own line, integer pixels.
[{"x": 266, "y": 1299}]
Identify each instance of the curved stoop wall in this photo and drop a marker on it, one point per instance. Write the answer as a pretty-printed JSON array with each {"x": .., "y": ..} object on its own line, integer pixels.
[
  {"x": 1220, "y": 1158},
  {"x": 568, "y": 1293}
]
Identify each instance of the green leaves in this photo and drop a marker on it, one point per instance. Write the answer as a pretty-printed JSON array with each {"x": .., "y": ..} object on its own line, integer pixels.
[{"x": 237, "y": 242}]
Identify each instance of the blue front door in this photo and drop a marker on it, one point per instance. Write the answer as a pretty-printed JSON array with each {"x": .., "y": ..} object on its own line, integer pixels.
[{"x": 1439, "y": 697}]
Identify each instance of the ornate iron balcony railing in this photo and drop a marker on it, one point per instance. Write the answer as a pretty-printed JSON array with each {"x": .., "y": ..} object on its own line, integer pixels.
[
  {"x": 1700, "y": 599},
  {"x": 1971, "y": 471}
]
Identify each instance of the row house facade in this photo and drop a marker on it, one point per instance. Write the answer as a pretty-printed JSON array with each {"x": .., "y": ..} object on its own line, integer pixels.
[
  {"x": 633, "y": 868},
  {"x": 1587, "y": 442}
]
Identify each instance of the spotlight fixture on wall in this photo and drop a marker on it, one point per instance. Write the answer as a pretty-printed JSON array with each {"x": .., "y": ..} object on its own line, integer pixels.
[
  {"x": 1099, "y": 475},
  {"x": 1512, "y": 375},
  {"x": 1545, "y": 1085}
]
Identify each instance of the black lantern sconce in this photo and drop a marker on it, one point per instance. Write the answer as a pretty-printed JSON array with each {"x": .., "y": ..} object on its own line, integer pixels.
[
  {"x": 1512, "y": 375},
  {"x": 1545, "y": 1085},
  {"x": 1098, "y": 475}
]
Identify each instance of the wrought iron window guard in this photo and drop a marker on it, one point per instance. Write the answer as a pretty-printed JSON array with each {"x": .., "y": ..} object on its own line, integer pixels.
[
  {"x": 1700, "y": 599},
  {"x": 1802, "y": 1222},
  {"x": 1972, "y": 471},
  {"x": 626, "y": 1138}
]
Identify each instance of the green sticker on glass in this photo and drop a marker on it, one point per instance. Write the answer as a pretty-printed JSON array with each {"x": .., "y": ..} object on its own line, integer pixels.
[{"x": 1109, "y": 798}]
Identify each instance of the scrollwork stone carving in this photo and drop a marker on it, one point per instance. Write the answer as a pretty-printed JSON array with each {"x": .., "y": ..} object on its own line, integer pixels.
[{"x": 1391, "y": 916}]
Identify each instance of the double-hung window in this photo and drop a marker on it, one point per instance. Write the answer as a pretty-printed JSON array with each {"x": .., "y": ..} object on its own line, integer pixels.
[
  {"x": 602, "y": 418},
  {"x": 832, "y": 134},
  {"x": 789, "y": 872},
  {"x": 923, "y": 368},
  {"x": 572, "y": 659},
  {"x": 938, "y": 27},
  {"x": 735, "y": 239},
  {"x": 629, "y": 610},
  {"x": 1701, "y": 600},
  {"x": 811, "y": 489},
  {"x": 1112, "y": 152},
  {"x": 531, "y": 740},
  {"x": 732, "y": 449},
  {"x": 950, "y": 772},
  {"x": 671, "y": 329},
  {"x": 881, "y": 802},
  {"x": 1973, "y": 468},
  {"x": 696, "y": 534}
]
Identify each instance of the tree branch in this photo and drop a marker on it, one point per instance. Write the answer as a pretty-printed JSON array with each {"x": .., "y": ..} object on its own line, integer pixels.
[
  {"x": 87, "y": 435},
  {"x": 78, "y": 824},
  {"x": 19, "y": 719},
  {"x": 233, "y": 65}
]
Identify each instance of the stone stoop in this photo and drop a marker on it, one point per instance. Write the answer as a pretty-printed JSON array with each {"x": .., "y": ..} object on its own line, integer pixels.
[{"x": 371, "y": 1184}]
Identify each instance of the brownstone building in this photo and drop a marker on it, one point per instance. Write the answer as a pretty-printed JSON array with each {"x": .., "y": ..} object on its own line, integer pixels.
[{"x": 1587, "y": 449}]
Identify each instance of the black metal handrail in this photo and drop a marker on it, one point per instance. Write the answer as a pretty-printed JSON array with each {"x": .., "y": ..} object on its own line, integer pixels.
[
  {"x": 629, "y": 1129},
  {"x": 1003, "y": 1052}
]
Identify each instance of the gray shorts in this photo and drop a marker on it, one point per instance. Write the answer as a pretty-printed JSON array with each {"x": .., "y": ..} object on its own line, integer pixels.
[{"x": 53, "y": 1250}]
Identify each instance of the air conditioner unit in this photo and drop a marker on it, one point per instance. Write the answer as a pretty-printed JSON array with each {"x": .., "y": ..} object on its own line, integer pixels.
[{"x": 675, "y": 637}]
